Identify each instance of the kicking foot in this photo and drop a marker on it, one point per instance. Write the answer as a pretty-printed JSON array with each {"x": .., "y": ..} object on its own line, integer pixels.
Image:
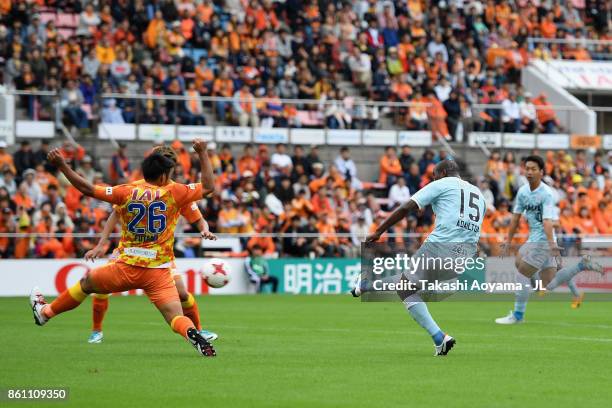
[
  {"x": 198, "y": 342},
  {"x": 356, "y": 291},
  {"x": 447, "y": 344},
  {"x": 509, "y": 319},
  {"x": 577, "y": 302},
  {"x": 589, "y": 265},
  {"x": 208, "y": 335},
  {"x": 38, "y": 303},
  {"x": 95, "y": 337}
]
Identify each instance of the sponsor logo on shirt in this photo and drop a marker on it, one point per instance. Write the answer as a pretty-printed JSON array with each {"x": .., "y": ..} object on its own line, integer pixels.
[{"x": 141, "y": 252}]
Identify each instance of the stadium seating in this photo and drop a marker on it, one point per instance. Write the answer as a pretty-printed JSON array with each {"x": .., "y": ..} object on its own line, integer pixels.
[{"x": 441, "y": 61}]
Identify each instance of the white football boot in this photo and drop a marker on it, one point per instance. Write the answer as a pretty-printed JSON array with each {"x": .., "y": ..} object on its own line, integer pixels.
[
  {"x": 446, "y": 346},
  {"x": 37, "y": 303},
  {"x": 509, "y": 319}
]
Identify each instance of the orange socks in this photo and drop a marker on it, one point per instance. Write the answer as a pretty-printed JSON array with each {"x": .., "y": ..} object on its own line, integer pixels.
[
  {"x": 180, "y": 325},
  {"x": 100, "y": 306},
  {"x": 190, "y": 309},
  {"x": 67, "y": 300}
]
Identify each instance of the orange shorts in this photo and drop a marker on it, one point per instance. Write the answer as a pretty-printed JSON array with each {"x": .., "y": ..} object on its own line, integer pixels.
[{"x": 157, "y": 283}]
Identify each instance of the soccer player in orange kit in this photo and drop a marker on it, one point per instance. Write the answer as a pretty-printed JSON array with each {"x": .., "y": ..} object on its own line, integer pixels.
[
  {"x": 100, "y": 302},
  {"x": 148, "y": 214}
]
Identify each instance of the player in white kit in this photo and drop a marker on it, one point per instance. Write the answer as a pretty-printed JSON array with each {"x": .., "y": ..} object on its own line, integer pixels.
[
  {"x": 459, "y": 207},
  {"x": 536, "y": 201}
]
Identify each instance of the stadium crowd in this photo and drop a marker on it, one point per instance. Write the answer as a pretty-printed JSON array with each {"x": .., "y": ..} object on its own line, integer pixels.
[
  {"x": 442, "y": 57},
  {"x": 263, "y": 191}
]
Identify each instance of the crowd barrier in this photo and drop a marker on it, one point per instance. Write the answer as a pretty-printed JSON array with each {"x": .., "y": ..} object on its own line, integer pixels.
[{"x": 296, "y": 275}]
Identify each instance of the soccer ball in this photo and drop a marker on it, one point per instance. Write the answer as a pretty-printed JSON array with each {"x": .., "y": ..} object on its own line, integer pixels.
[{"x": 216, "y": 273}]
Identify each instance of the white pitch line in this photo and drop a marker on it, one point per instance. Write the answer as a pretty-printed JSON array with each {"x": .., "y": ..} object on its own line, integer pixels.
[
  {"x": 543, "y": 322},
  {"x": 411, "y": 331}
]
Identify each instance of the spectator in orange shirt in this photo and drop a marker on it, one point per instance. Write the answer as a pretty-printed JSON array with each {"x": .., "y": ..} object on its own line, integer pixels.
[
  {"x": 187, "y": 25},
  {"x": 548, "y": 28},
  {"x": 155, "y": 32},
  {"x": 437, "y": 117},
  {"x": 7, "y": 225},
  {"x": 321, "y": 202},
  {"x": 266, "y": 244},
  {"x": 49, "y": 247},
  {"x": 183, "y": 156},
  {"x": 22, "y": 199},
  {"x": 326, "y": 228},
  {"x": 119, "y": 168},
  {"x": 301, "y": 205},
  {"x": 546, "y": 115},
  {"x": 223, "y": 87},
  {"x": 390, "y": 167},
  {"x": 67, "y": 241},
  {"x": 229, "y": 220},
  {"x": 579, "y": 53},
  {"x": 204, "y": 77},
  {"x": 380, "y": 217},
  {"x": 568, "y": 221},
  {"x": 73, "y": 153},
  {"x": 602, "y": 218},
  {"x": 72, "y": 198},
  {"x": 585, "y": 222},
  {"x": 583, "y": 201},
  {"x": 248, "y": 162},
  {"x": 6, "y": 160}
]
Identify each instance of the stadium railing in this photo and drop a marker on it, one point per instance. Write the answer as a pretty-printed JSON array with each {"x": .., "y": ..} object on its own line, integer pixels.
[
  {"x": 236, "y": 243},
  {"x": 483, "y": 124}
]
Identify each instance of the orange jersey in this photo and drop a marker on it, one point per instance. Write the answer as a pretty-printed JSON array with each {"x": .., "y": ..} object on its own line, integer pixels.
[
  {"x": 190, "y": 211},
  {"x": 148, "y": 215}
]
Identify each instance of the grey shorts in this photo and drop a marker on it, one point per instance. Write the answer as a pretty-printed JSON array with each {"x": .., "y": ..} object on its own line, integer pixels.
[
  {"x": 537, "y": 254},
  {"x": 441, "y": 261}
]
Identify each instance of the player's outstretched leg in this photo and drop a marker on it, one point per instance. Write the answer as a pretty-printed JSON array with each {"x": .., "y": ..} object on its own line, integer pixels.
[
  {"x": 190, "y": 308},
  {"x": 565, "y": 274},
  {"x": 443, "y": 343},
  {"x": 99, "y": 308},
  {"x": 67, "y": 300}
]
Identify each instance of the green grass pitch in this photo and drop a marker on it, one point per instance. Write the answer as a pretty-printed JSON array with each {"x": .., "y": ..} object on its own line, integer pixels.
[{"x": 323, "y": 351}]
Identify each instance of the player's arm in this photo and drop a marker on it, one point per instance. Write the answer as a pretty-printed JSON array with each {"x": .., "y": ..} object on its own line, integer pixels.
[
  {"x": 207, "y": 179},
  {"x": 205, "y": 231},
  {"x": 79, "y": 182},
  {"x": 421, "y": 199},
  {"x": 194, "y": 217},
  {"x": 100, "y": 249},
  {"x": 517, "y": 212},
  {"x": 396, "y": 216},
  {"x": 548, "y": 215},
  {"x": 514, "y": 223}
]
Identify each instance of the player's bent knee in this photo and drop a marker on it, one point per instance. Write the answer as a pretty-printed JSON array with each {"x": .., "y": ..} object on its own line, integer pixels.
[
  {"x": 526, "y": 270},
  {"x": 87, "y": 284}
]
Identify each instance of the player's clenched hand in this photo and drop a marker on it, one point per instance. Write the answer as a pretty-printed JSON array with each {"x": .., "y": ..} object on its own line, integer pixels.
[
  {"x": 373, "y": 237},
  {"x": 199, "y": 145},
  {"x": 95, "y": 253},
  {"x": 208, "y": 235},
  {"x": 55, "y": 157}
]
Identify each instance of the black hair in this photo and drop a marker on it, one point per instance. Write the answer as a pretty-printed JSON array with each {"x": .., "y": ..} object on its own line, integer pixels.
[
  {"x": 155, "y": 166},
  {"x": 450, "y": 167},
  {"x": 535, "y": 159}
]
